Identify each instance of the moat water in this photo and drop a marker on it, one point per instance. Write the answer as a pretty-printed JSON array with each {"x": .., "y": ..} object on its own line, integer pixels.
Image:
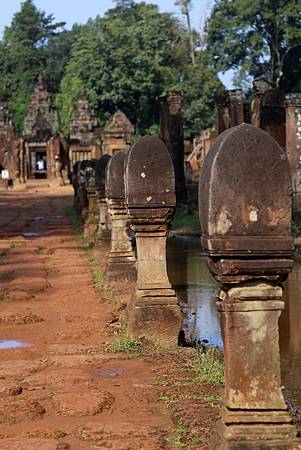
[{"x": 189, "y": 274}]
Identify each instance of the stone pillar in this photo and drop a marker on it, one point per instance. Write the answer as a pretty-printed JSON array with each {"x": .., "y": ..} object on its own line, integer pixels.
[
  {"x": 74, "y": 178},
  {"x": 104, "y": 226},
  {"x": 92, "y": 220},
  {"x": 245, "y": 212},
  {"x": 150, "y": 198},
  {"x": 236, "y": 106},
  {"x": 293, "y": 138},
  {"x": 81, "y": 191},
  {"x": 122, "y": 260},
  {"x": 223, "y": 117},
  {"x": 171, "y": 132}
]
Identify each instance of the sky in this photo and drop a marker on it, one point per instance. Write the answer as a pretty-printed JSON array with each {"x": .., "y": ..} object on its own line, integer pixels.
[{"x": 71, "y": 11}]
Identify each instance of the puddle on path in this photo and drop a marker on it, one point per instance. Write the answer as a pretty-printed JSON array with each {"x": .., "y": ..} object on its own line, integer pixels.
[
  {"x": 111, "y": 372},
  {"x": 7, "y": 344},
  {"x": 38, "y": 218},
  {"x": 31, "y": 234},
  {"x": 41, "y": 218}
]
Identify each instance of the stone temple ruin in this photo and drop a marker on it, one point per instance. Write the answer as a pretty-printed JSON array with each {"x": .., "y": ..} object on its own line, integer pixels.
[
  {"x": 11, "y": 147},
  {"x": 42, "y": 142},
  {"x": 35, "y": 153},
  {"x": 270, "y": 110},
  {"x": 84, "y": 140}
]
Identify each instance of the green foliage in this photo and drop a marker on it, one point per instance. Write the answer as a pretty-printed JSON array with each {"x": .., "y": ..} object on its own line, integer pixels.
[
  {"x": 209, "y": 367},
  {"x": 254, "y": 37},
  {"x": 98, "y": 276},
  {"x": 296, "y": 221},
  {"x": 181, "y": 438},
  {"x": 125, "y": 60},
  {"x": 186, "y": 220},
  {"x": 200, "y": 85},
  {"x": 25, "y": 51},
  {"x": 125, "y": 345}
]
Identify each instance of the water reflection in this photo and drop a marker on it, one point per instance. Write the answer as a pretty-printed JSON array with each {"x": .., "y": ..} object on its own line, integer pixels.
[
  {"x": 188, "y": 272},
  {"x": 290, "y": 335},
  {"x": 12, "y": 344}
]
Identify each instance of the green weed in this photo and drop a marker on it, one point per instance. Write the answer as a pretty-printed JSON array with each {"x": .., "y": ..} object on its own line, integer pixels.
[
  {"x": 124, "y": 345},
  {"x": 212, "y": 398},
  {"x": 39, "y": 250},
  {"x": 186, "y": 220},
  {"x": 165, "y": 398},
  {"x": 209, "y": 367},
  {"x": 181, "y": 438}
]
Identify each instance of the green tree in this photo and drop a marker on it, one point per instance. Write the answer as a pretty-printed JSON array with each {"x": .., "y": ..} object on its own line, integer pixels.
[
  {"x": 23, "y": 56},
  {"x": 200, "y": 85},
  {"x": 125, "y": 60},
  {"x": 254, "y": 37},
  {"x": 186, "y": 6}
]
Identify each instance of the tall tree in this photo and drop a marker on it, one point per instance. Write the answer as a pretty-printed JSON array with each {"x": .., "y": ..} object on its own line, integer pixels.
[
  {"x": 186, "y": 6},
  {"x": 125, "y": 60},
  {"x": 200, "y": 84},
  {"x": 254, "y": 37},
  {"x": 24, "y": 56}
]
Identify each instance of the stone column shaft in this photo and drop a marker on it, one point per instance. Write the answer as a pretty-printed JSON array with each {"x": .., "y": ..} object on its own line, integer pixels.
[
  {"x": 153, "y": 284},
  {"x": 293, "y": 138},
  {"x": 92, "y": 220},
  {"x": 104, "y": 226},
  {"x": 122, "y": 260}
]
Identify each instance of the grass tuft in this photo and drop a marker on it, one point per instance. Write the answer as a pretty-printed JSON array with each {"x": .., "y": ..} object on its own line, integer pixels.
[
  {"x": 124, "y": 345},
  {"x": 209, "y": 367},
  {"x": 186, "y": 220}
]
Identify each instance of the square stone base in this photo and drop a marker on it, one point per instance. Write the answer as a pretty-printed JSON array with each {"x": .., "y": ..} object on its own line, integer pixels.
[
  {"x": 121, "y": 269},
  {"x": 103, "y": 235},
  {"x": 159, "y": 324},
  {"x": 256, "y": 436}
]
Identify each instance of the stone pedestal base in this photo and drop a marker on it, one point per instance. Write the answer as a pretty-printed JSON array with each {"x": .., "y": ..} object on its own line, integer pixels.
[
  {"x": 122, "y": 268},
  {"x": 254, "y": 414},
  {"x": 255, "y": 436},
  {"x": 122, "y": 262},
  {"x": 157, "y": 319},
  {"x": 104, "y": 226},
  {"x": 92, "y": 220}
]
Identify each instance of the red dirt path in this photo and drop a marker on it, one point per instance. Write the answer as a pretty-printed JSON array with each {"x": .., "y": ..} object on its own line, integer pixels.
[{"x": 65, "y": 391}]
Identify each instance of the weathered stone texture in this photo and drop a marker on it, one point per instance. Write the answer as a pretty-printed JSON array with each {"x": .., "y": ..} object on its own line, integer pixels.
[
  {"x": 104, "y": 226},
  {"x": 118, "y": 134},
  {"x": 172, "y": 134},
  {"x": 85, "y": 132},
  {"x": 92, "y": 220},
  {"x": 245, "y": 212},
  {"x": 293, "y": 138},
  {"x": 122, "y": 260}
]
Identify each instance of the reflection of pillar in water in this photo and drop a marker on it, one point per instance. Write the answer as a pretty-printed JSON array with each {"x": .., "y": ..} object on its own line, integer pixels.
[
  {"x": 207, "y": 326},
  {"x": 293, "y": 294}
]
